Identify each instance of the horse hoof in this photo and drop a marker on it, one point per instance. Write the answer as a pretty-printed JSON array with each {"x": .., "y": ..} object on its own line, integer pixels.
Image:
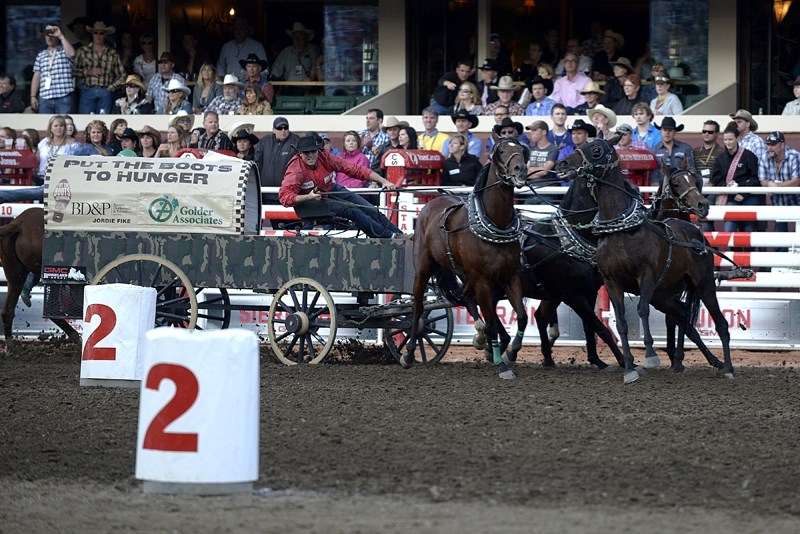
[
  {"x": 630, "y": 377},
  {"x": 728, "y": 375},
  {"x": 508, "y": 358},
  {"x": 508, "y": 375},
  {"x": 406, "y": 360},
  {"x": 488, "y": 355},
  {"x": 640, "y": 370},
  {"x": 479, "y": 342},
  {"x": 652, "y": 362}
]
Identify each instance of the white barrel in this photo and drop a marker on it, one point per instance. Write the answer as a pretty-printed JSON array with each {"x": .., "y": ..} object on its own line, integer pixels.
[
  {"x": 116, "y": 319},
  {"x": 199, "y": 412}
]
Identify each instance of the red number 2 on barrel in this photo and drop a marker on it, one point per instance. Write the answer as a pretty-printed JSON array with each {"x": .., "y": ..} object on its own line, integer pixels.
[
  {"x": 186, "y": 389},
  {"x": 108, "y": 321}
]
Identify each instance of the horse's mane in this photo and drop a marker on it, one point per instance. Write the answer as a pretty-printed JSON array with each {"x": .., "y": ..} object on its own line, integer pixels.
[{"x": 480, "y": 181}]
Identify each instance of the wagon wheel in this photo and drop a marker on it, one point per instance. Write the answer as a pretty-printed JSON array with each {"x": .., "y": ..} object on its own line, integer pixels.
[
  {"x": 435, "y": 336},
  {"x": 299, "y": 313},
  {"x": 176, "y": 299}
]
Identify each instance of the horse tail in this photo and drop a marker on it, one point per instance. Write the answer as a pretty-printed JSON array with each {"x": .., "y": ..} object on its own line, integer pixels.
[
  {"x": 693, "y": 301},
  {"x": 449, "y": 286}
]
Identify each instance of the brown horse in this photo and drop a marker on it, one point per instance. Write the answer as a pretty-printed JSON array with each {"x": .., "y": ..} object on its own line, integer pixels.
[
  {"x": 475, "y": 242},
  {"x": 20, "y": 254},
  {"x": 656, "y": 260}
]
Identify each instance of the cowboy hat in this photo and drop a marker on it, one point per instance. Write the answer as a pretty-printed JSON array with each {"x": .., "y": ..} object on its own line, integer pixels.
[
  {"x": 230, "y": 79},
  {"x": 506, "y": 83},
  {"x": 505, "y": 123},
  {"x": 129, "y": 134},
  {"x": 623, "y": 62},
  {"x": 392, "y": 122},
  {"x": 252, "y": 58},
  {"x": 100, "y": 26},
  {"x": 152, "y": 132},
  {"x": 240, "y": 125},
  {"x": 167, "y": 56},
  {"x": 795, "y": 82},
  {"x": 464, "y": 114},
  {"x": 592, "y": 87},
  {"x": 298, "y": 27},
  {"x": 182, "y": 115},
  {"x": 134, "y": 79},
  {"x": 177, "y": 85},
  {"x": 669, "y": 124},
  {"x": 616, "y": 36},
  {"x": 745, "y": 116},
  {"x": 580, "y": 124},
  {"x": 548, "y": 84},
  {"x": 609, "y": 114},
  {"x": 664, "y": 78},
  {"x": 78, "y": 20},
  {"x": 308, "y": 143},
  {"x": 488, "y": 64},
  {"x": 244, "y": 133}
]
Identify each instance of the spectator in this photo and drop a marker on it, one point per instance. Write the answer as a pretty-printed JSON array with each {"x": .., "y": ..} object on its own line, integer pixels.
[
  {"x": 254, "y": 103},
  {"x": 431, "y": 138},
  {"x": 545, "y": 70},
  {"x": 245, "y": 142},
  {"x": 672, "y": 152},
  {"x": 194, "y": 136},
  {"x": 625, "y": 132},
  {"x": 584, "y": 62},
  {"x": 601, "y": 62},
  {"x": 241, "y": 46},
  {"x": 177, "y": 98},
  {"x": 193, "y": 58},
  {"x": 175, "y": 142},
  {"x": 129, "y": 140},
  {"x": 55, "y": 143},
  {"x": 649, "y": 91},
  {"x": 296, "y": 62},
  {"x": 214, "y": 138},
  {"x": 467, "y": 99},
  {"x": 150, "y": 139},
  {"x": 134, "y": 101},
  {"x": 508, "y": 129},
  {"x": 633, "y": 95},
  {"x": 256, "y": 74},
  {"x": 306, "y": 180},
  {"x": 145, "y": 64},
  {"x": 706, "y": 154},
  {"x": 114, "y": 138},
  {"x": 372, "y": 137},
  {"x": 327, "y": 145},
  {"x": 407, "y": 137},
  {"x": 665, "y": 103},
  {"x": 273, "y": 153},
  {"x": 157, "y": 89},
  {"x": 352, "y": 154},
  {"x": 500, "y": 54},
  {"x": 229, "y": 102},
  {"x": 544, "y": 155},
  {"x": 736, "y": 166},
  {"x": 541, "y": 105},
  {"x": 581, "y": 133},
  {"x": 567, "y": 89},
  {"x": 10, "y": 101},
  {"x": 444, "y": 96},
  {"x": 96, "y": 134},
  {"x": 71, "y": 130},
  {"x": 392, "y": 131},
  {"x": 645, "y": 135},
  {"x": 591, "y": 95},
  {"x": 464, "y": 122},
  {"x": 793, "y": 107},
  {"x": 207, "y": 88},
  {"x": 126, "y": 51},
  {"x": 614, "y": 86},
  {"x": 99, "y": 72},
  {"x": 505, "y": 92},
  {"x": 185, "y": 121},
  {"x": 489, "y": 77},
  {"x": 550, "y": 50},
  {"x": 603, "y": 120},
  {"x": 52, "y": 86},
  {"x": 528, "y": 69},
  {"x": 747, "y": 138},
  {"x": 461, "y": 168},
  {"x": 78, "y": 27},
  {"x": 501, "y": 117},
  {"x": 781, "y": 168},
  {"x": 594, "y": 43},
  {"x": 559, "y": 135}
]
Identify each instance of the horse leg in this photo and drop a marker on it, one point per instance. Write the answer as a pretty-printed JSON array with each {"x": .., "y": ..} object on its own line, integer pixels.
[
  {"x": 651, "y": 360},
  {"x": 671, "y": 324},
  {"x": 694, "y": 337},
  {"x": 553, "y": 331},
  {"x": 15, "y": 280},
  {"x": 616, "y": 296},
  {"x": 709, "y": 298},
  {"x": 71, "y": 333},
  {"x": 542, "y": 316},
  {"x": 487, "y": 304},
  {"x": 420, "y": 285},
  {"x": 514, "y": 292}
]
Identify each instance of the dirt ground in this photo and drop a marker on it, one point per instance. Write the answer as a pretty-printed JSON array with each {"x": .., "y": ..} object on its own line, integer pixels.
[{"x": 364, "y": 446}]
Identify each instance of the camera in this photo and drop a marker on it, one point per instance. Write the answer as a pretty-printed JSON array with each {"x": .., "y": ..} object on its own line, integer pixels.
[{"x": 50, "y": 31}]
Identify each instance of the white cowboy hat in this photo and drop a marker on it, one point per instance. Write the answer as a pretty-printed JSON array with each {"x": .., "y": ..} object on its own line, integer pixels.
[
  {"x": 230, "y": 79},
  {"x": 602, "y": 110},
  {"x": 180, "y": 115},
  {"x": 177, "y": 85},
  {"x": 299, "y": 27},
  {"x": 241, "y": 125},
  {"x": 506, "y": 83},
  {"x": 100, "y": 26}
]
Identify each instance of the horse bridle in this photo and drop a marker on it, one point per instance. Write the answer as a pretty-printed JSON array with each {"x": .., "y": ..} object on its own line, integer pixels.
[
  {"x": 667, "y": 194},
  {"x": 503, "y": 173}
]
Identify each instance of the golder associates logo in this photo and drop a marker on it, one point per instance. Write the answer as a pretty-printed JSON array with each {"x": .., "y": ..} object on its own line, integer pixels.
[{"x": 168, "y": 210}]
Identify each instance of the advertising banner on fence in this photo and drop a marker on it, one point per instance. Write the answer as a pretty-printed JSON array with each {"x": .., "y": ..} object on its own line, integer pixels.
[{"x": 146, "y": 194}]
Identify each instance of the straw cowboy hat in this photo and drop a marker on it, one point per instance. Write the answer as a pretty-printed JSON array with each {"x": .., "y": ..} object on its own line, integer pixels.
[
  {"x": 391, "y": 122},
  {"x": 623, "y": 62},
  {"x": 100, "y": 26},
  {"x": 230, "y": 79},
  {"x": 506, "y": 83},
  {"x": 580, "y": 124},
  {"x": 182, "y": 115},
  {"x": 506, "y": 122},
  {"x": 240, "y": 125},
  {"x": 298, "y": 27},
  {"x": 133, "y": 79},
  {"x": 745, "y": 116},
  {"x": 152, "y": 132},
  {"x": 669, "y": 124},
  {"x": 592, "y": 87},
  {"x": 602, "y": 110},
  {"x": 616, "y": 36},
  {"x": 464, "y": 114},
  {"x": 252, "y": 58},
  {"x": 177, "y": 85}
]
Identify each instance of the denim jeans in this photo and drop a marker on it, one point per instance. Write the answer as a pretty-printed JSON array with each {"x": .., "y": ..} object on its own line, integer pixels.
[
  {"x": 56, "y": 106},
  {"x": 743, "y": 226},
  {"x": 440, "y": 109},
  {"x": 366, "y": 217},
  {"x": 95, "y": 100},
  {"x": 18, "y": 195}
]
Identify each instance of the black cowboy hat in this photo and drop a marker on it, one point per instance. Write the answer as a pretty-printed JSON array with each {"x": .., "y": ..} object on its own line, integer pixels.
[
  {"x": 252, "y": 58},
  {"x": 669, "y": 124},
  {"x": 505, "y": 123},
  {"x": 308, "y": 143},
  {"x": 129, "y": 133},
  {"x": 488, "y": 64},
  {"x": 464, "y": 114},
  {"x": 548, "y": 84},
  {"x": 244, "y": 133},
  {"x": 579, "y": 124}
]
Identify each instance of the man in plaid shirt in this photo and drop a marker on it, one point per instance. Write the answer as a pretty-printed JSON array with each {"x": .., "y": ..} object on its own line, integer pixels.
[
  {"x": 157, "y": 88},
  {"x": 229, "y": 102},
  {"x": 99, "y": 72},
  {"x": 52, "y": 85},
  {"x": 373, "y": 137},
  {"x": 781, "y": 168}
]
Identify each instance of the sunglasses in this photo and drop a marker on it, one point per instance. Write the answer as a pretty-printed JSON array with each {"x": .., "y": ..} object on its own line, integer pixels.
[
  {"x": 98, "y": 33},
  {"x": 164, "y": 61},
  {"x": 146, "y": 43},
  {"x": 464, "y": 91},
  {"x": 709, "y": 132},
  {"x": 281, "y": 127},
  {"x": 174, "y": 91},
  {"x": 132, "y": 86}
]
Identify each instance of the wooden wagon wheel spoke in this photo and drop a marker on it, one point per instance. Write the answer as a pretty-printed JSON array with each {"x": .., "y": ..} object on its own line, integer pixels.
[{"x": 436, "y": 334}]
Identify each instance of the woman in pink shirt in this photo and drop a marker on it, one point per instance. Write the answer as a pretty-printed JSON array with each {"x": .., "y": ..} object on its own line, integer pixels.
[{"x": 352, "y": 153}]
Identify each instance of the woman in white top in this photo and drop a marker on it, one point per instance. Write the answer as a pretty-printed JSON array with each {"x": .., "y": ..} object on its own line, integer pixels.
[
  {"x": 467, "y": 99},
  {"x": 665, "y": 103},
  {"x": 56, "y": 143},
  {"x": 146, "y": 63}
]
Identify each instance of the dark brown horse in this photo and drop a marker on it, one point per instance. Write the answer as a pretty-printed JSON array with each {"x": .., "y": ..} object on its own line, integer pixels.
[
  {"x": 659, "y": 261},
  {"x": 470, "y": 248},
  {"x": 20, "y": 254}
]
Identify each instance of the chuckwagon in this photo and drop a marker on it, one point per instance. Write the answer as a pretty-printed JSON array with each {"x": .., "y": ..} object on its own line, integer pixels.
[{"x": 190, "y": 229}]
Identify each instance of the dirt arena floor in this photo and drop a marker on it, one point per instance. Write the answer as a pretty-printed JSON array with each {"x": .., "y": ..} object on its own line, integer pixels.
[{"x": 366, "y": 446}]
